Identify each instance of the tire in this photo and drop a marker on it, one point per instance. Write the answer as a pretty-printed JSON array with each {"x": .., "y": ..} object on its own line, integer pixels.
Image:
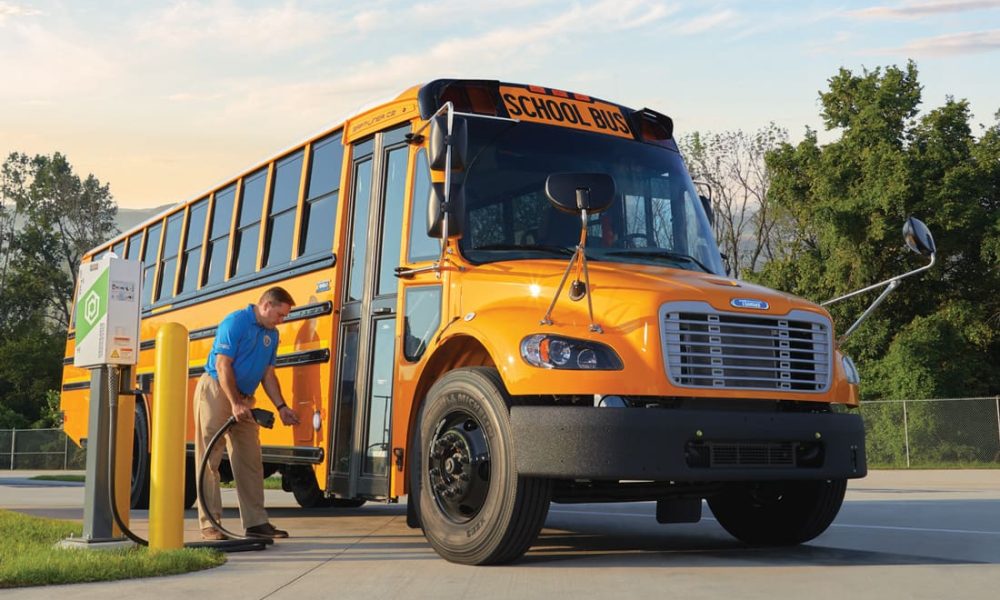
[
  {"x": 781, "y": 513},
  {"x": 301, "y": 481},
  {"x": 139, "y": 493},
  {"x": 190, "y": 483},
  {"x": 472, "y": 505}
]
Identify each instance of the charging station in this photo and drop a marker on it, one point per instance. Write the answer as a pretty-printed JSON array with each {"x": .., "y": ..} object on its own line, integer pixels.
[{"x": 107, "y": 342}]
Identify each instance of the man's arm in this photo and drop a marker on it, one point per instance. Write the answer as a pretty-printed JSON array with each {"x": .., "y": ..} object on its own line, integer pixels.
[
  {"x": 227, "y": 381},
  {"x": 273, "y": 389}
]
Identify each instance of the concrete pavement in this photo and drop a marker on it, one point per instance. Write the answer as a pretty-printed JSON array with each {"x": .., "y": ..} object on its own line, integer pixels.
[{"x": 901, "y": 534}]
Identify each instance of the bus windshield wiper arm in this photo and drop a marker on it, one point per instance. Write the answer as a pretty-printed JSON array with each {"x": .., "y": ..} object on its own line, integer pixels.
[
  {"x": 561, "y": 250},
  {"x": 655, "y": 253}
]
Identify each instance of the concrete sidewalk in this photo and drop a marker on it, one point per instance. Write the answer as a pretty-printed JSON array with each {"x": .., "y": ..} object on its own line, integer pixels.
[{"x": 370, "y": 553}]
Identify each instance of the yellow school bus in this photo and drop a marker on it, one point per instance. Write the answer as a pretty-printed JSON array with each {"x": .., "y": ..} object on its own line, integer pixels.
[{"x": 507, "y": 295}]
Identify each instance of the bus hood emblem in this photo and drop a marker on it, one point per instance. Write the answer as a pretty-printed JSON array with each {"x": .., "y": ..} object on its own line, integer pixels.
[{"x": 749, "y": 303}]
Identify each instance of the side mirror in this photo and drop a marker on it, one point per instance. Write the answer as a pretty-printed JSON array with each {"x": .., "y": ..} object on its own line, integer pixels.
[
  {"x": 439, "y": 140},
  {"x": 918, "y": 237},
  {"x": 575, "y": 192},
  {"x": 436, "y": 211},
  {"x": 706, "y": 203}
]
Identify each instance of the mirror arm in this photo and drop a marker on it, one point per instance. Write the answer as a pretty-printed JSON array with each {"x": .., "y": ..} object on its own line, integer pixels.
[
  {"x": 886, "y": 282},
  {"x": 892, "y": 284}
]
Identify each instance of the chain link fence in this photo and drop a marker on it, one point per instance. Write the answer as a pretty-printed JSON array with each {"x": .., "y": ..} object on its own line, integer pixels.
[
  {"x": 927, "y": 433},
  {"x": 39, "y": 449},
  {"x": 931, "y": 433}
]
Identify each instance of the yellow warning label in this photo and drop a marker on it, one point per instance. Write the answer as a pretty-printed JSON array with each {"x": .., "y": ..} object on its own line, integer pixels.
[
  {"x": 589, "y": 115},
  {"x": 114, "y": 354}
]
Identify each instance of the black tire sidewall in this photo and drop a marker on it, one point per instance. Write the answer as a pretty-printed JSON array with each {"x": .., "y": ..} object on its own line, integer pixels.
[
  {"x": 470, "y": 391},
  {"x": 139, "y": 490}
]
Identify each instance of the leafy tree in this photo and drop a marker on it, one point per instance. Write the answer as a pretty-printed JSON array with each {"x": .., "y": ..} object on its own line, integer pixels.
[
  {"x": 732, "y": 164},
  {"x": 49, "y": 217},
  {"x": 846, "y": 202}
]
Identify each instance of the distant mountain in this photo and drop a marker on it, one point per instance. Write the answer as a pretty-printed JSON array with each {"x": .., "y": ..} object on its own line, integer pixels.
[{"x": 130, "y": 217}]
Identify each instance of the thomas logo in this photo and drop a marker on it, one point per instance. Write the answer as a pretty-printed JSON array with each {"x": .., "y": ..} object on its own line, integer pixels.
[{"x": 749, "y": 303}]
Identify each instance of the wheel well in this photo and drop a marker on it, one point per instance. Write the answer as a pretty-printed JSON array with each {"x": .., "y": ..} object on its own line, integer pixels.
[{"x": 459, "y": 351}]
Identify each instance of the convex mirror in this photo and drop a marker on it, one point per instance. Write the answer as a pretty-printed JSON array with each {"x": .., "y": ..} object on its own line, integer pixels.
[
  {"x": 918, "y": 237},
  {"x": 436, "y": 211},
  {"x": 575, "y": 192},
  {"x": 439, "y": 140}
]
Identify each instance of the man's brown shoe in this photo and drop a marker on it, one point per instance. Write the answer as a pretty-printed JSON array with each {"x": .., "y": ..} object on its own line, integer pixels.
[
  {"x": 212, "y": 534},
  {"x": 266, "y": 530}
]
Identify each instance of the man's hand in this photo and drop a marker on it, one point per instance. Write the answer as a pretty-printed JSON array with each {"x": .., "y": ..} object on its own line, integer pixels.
[
  {"x": 242, "y": 412},
  {"x": 288, "y": 416}
]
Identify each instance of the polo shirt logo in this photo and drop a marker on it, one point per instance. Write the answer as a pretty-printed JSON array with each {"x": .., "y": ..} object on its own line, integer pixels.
[{"x": 267, "y": 341}]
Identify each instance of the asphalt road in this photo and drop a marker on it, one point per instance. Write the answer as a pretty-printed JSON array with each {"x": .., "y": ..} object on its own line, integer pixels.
[{"x": 916, "y": 534}]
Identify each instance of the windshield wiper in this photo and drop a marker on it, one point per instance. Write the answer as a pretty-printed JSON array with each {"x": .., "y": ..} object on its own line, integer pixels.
[
  {"x": 658, "y": 253},
  {"x": 561, "y": 250}
]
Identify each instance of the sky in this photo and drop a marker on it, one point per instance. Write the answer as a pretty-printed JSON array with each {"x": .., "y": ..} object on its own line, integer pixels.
[{"x": 164, "y": 100}]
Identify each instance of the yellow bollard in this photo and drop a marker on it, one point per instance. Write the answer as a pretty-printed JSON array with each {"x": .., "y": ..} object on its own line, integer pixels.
[{"x": 166, "y": 484}]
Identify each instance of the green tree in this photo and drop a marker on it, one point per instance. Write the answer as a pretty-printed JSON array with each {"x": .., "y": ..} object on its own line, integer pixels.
[
  {"x": 49, "y": 217},
  {"x": 846, "y": 201}
]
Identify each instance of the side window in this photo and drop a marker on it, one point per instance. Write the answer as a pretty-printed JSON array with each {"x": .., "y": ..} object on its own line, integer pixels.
[
  {"x": 149, "y": 262},
  {"x": 168, "y": 264},
  {"x": 192, "y": 246},
  {"x": 392, "y": 218},
  {"x": 320, "y": 209},
  {"x": 423, "y": 317},
  {"x": 248, "y": 225},
  {"x": 119, "y": 249},
  {"x": 134, "y": 246},
  {"x": 281, "y": 220},
  {"x": 422, "y": 247},
  {"x": 218, "y": 236}
]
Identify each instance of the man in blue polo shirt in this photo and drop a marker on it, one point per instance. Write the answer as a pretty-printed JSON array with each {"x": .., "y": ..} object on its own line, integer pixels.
[{"x": 242, "y": 357}]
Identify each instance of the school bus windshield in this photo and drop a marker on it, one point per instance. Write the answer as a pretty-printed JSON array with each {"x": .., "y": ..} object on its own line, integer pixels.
[{"x": 656, "y": 218}]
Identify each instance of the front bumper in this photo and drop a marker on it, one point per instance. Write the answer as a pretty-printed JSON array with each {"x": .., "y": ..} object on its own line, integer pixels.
[{"x": 570, "y": 442}]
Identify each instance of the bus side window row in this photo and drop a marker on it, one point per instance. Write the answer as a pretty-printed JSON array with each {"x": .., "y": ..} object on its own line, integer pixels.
[{"x": 201, "y": 233}]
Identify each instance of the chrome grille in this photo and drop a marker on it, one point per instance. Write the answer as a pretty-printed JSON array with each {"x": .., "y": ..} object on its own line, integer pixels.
[{"x": 706, "y": 348}]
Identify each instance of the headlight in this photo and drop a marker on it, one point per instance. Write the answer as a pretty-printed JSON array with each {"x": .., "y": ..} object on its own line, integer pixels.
[
  {"x": 558, "y": 352},
  {"x": 851, "y": 371}
]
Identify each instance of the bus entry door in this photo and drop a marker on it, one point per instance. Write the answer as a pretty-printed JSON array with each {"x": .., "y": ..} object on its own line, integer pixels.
[{"x": 367, "y": 358}]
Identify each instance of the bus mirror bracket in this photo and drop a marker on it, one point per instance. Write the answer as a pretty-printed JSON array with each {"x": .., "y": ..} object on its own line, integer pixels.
[
  {"x": 584, "y": 194},
  {"x": 919, "y": 239}
]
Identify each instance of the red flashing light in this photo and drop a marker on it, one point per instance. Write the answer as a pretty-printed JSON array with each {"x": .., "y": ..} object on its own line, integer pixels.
[
  {"x": 560, "y": 93},
  {"x": 537, "y": 89}
]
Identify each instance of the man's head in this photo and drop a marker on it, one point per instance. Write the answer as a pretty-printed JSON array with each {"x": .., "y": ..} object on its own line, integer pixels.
[{"x": 273, "y": 307}]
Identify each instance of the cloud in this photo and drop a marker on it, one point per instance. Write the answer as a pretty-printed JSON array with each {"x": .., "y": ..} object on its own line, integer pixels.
[
  {"x": 496, "y": 49},
  {"x": 914, "y": 10},
  {"x": 971, "y": 42},
  {"x": 62, "y": 64},
  {"x": 706, "y": 22},
  {"x": 10, "y": 11},
  {"x": 227, "y": 25}
]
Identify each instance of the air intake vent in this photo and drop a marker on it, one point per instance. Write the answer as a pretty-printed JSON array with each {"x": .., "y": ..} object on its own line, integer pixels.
[{"x": 705, "y": 348}]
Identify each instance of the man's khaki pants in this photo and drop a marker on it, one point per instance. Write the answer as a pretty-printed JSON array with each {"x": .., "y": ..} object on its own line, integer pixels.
[{"x": 211, "y": 410}]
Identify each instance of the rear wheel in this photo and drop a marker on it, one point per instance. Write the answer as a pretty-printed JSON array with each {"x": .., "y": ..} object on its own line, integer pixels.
[
  {"x": 301, "y": 481},
  {"x": 779, "y": 513},
  {"x": 472, "y": 505},
  {"x": 139, "y": 493}
]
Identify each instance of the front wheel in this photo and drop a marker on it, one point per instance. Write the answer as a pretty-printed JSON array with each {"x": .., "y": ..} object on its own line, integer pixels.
[
  {"x": 473, "y": 506},
  {"x": 779, "y": 513}
]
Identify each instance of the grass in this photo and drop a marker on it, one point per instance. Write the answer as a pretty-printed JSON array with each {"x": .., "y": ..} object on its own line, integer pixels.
[
  {"x": 75, "y": 478},
  {"x": 270, "y": 483},
  {"x": 28, "y": 556}
]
